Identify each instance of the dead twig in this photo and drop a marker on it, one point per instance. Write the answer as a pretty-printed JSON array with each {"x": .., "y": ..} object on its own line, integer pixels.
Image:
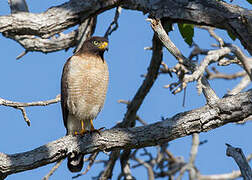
[
  {"x": 114, "y": 22},
  {"x": 14, "y": 104},
  {"x": 20, "y": 105},
  {"x": 209, "y": 93},
  {"x": 55, "y": 167},
  {"x": 241, "y": 161}
]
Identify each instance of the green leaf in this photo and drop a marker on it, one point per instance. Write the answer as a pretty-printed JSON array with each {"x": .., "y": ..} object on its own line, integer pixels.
[
  {"x": 250, "y": 1},
  {"x": 231, "y": 35},
  {"x": 187, "y": 32}
]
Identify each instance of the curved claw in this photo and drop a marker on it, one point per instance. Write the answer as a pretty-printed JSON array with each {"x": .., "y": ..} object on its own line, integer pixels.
[{"x": 97, "y": 130}]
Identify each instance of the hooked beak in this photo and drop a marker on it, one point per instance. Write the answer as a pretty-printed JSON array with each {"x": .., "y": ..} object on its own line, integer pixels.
[{"x": 104, "y": 46}]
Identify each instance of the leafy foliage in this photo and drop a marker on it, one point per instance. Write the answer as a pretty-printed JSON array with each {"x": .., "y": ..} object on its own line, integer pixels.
[
  {"x": 249, "y": 1},
  {"x": 187, "y": 32}
]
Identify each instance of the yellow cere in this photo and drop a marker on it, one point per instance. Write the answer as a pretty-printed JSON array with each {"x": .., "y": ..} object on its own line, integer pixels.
[{"x": 103, "y": 45}]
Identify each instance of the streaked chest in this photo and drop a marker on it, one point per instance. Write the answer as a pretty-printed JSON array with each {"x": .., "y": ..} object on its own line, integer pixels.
[{"x": 87, "y": 82}]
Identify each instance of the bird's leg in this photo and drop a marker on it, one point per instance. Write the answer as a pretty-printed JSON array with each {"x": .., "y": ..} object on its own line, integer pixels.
[
  {"x": 82, "y": 131},
  {"x": 92, "y": 129},
  {"x": 92, "y": 126}
]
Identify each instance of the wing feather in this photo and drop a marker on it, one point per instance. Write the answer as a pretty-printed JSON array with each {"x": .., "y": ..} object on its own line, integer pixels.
[{"x": 64, "y": 92}]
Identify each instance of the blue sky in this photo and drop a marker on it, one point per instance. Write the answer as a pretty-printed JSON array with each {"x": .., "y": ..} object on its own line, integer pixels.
[{"x": 36, "y": 77}]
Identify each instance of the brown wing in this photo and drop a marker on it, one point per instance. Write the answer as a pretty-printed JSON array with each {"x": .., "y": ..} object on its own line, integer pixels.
[{"x": 64, "y": 92}]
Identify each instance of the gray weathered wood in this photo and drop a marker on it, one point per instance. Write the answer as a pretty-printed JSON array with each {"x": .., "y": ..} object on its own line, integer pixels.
[
  {"x": 241, "y": 161},
  {"x": 230, "y": 109},
  {"x": 204, "y": 12}
]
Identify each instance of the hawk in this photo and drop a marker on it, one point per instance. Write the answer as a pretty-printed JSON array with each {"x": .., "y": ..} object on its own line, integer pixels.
[{"x": 84, "y": 85}]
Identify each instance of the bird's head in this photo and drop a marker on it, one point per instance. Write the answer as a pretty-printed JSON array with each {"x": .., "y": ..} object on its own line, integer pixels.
[{"x": 96, "y": 45}]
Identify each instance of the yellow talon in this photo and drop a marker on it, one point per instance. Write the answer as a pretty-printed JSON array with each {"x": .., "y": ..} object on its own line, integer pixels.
[
  {"x": 82, "y": 131},
  {"x": 92, "y": 126}
]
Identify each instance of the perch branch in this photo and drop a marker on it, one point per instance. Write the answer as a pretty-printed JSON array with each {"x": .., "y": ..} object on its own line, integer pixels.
[{"x": 226, "y": 110}]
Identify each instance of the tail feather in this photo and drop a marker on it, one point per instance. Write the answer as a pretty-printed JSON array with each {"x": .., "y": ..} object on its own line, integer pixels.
[{"x": 75, "y": 162}]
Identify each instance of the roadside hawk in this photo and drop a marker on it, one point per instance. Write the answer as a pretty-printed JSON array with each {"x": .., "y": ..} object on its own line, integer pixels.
[{"x": 84, "y": 85}]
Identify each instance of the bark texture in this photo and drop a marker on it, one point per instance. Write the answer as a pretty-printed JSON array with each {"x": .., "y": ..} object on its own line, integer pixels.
[
  {"x": 56, "y": 19},
  {"x": 226, "y": 110}
]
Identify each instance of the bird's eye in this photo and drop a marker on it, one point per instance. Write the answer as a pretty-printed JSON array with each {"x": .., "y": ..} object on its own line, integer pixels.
[{"x": 96, "y": 43}]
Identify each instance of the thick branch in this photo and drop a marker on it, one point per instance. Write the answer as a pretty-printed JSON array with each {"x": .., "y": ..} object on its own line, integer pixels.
[
  {"x": 203, "y": 12},
  {"x": 33, "y": 43},
  {"x": 226, "y": 110},
  {"x": 54, "y": 20}
]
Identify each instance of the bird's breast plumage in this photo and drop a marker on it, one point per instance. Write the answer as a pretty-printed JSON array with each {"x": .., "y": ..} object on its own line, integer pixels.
[{"x": 86, "y": 85}]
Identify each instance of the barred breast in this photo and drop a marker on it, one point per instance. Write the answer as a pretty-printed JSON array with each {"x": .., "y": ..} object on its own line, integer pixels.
[{"x": 87, "y": 86}]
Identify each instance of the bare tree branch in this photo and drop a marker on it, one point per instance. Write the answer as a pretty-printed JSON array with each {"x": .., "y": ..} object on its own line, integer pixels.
[
  {"x": 147, "y": 166},
  {"x": 226, "y": 110},
  {"x": 125, "y": 166},
  {"x": 218, "y": 14},
  {"x": 213, "y": 55},
  {"x": 190, "y": 165},
  {"x": 20, "y": 106},
  {"x": 14, "y": 104},
  {"x": 218, "y": 75},
  {"x": 26, "y": 119},
  {"x": 241, "y": 161},
  {"x": 114, "y": 22},
  {"x": 209, "y": 93},
  {"x": 33, "y": 43},
  {"x": 55, "y": 167},
  {"x": 152, "y": 74},
  {"x": 85, "y": 30},
  {"x": 214, "y": 35},
  {"x": 240, "y": 86},
  {"x": 132, "y": 108},
  {"x": 107, "y": 172},
  {"x": 246, "y": 61},
  {"x": 227, "y": 176}
]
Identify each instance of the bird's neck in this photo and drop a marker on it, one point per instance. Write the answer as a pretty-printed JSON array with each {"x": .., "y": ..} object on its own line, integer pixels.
[{"x": 97, "y": 54}]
